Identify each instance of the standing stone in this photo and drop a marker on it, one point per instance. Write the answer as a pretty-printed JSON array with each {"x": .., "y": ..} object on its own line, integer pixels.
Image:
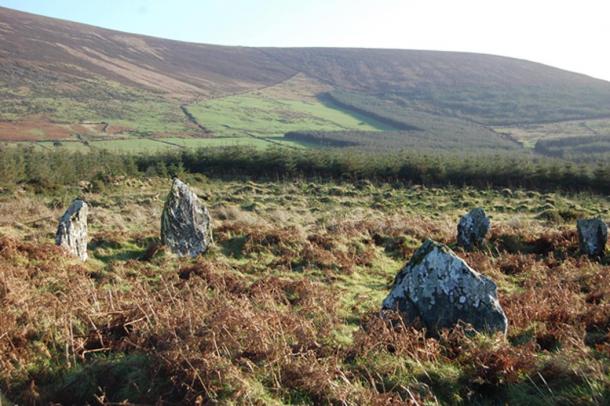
[
  {"x": 441, "y": 289},
  {"x": 592, "y": 236},
  {"x": 72, "y": 230},
  {"x": 472, "y": 228},
  {"x": 185, "y": 223}
]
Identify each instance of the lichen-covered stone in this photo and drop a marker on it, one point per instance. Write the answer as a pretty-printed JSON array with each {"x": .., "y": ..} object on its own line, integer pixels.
[
  {"x": 72, "y": 230},
  {"x": 441, "y": 290},
  {"x": 592, "y": 236},
  {"x": 186, "y": 226},
  {"x": 473, "y": 228}
]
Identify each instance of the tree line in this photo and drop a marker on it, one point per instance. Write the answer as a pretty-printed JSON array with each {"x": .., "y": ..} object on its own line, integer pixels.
[
  {"x": 579, "y": 148},
  {"x": 423, "y": 126},
  {"x": 45, "y": 170},
  {"x": 395, "y": 140}
]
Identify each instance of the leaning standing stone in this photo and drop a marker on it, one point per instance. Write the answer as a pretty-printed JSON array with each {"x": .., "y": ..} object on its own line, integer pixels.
[
  {"x": 441, "y": 289},
  {"x": 72, "y": 230},
  {"x": 185, "y": 223},
  {"x": 472, "y": 228},
  {"x": 592, "y": 236}
]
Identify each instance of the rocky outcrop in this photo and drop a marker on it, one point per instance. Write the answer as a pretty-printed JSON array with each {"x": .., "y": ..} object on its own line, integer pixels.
[
  {"x": 72, "y": 230},
  {"x": 473, "y": 228},
  {"x": 441, "y": 290},
  {"x": 185, "y": 222},
  {"x": 592, "y": 236}
]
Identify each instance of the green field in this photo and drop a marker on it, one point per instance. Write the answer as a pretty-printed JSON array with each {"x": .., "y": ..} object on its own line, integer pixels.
[
  {"x": 217, "y": 142},
  {"x": 235, "y": 116},
  {"x": 155, "y": 145},
  {"x": 141, "y": 122},
  {"x": 132, "y": 110},
  {"x": 133, "y": 146},
  {"x": 260, "y": 118},
  {"x": 71, "y": 146}
]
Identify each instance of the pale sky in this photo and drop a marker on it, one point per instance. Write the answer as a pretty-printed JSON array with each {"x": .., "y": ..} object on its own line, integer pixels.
[{"x": 572, "y": 35}]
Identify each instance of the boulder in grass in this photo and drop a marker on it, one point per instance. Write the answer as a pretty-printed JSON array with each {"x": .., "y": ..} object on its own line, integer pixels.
[
  {"x": 473, "y": 228},
  {"x": 72, "y": 230},
  {"x": 441, "y": 290},
  {"x": 592, "y": 236},
  {"x": 186, "y": 226}
]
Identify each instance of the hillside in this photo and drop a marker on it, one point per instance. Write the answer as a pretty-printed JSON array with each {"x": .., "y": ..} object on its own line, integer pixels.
[
  {"x": 81, "y": 84},
  {"x": 63, "y": 52},
  {"x": 487, "y": 88}
]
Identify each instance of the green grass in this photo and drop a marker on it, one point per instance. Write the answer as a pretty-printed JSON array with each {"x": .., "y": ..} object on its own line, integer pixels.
[
  {"x": 217, "y": 142},
  {"x": 135, "y": 110},
  {"x": 36, "y": 132},
  {"x": 269, "y": 113},
  {"x": 154, "y": 145},
  {"x": 282, "y": 141},
  {"x": 236, "y": 116},
  {"x": 153, "y": 117},
  {"x": 65, "y": 145},
  {"x": 36, "y": 145},
  {"x": 135, "y": 146}
]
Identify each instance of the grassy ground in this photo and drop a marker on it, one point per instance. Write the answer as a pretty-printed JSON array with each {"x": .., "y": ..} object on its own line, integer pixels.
[
  {"x": 289, "y": 106},
  {"x": 126, "y": 110},
  {"x": 40, "y": 114},
  {"x": 283, "y": 309},
  {"x": 155, "y": 145},
  {"x": 258, "y": 118},
  {"x": 69, "y": 146},
  {"x": 140, "y": 145},
  {"x": 217, "y": 142}
]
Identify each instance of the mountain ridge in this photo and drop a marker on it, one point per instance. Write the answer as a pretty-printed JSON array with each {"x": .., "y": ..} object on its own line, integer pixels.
[
  {"x": 6, "y": 10},
  {"x": 68, "y": 72}
]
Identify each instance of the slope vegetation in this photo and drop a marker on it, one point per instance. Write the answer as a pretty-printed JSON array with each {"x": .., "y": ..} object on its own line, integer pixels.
[
  {"x": 35, "y": 47},
  {"x": 289, "y": 106},
  {"x": 55, "y": 74},
  {"x": 487, "y": 88}
]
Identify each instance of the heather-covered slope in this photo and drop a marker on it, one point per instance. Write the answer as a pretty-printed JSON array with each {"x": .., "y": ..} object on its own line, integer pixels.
[
  {"x": 487, "y": 88},
  {"x": 56, "y": 74},
  {"x": 63, "y": 51},
  {"x": 39, "y": 48}
]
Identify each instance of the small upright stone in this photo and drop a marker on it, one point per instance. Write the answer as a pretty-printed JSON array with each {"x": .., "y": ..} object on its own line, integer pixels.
[
  {"x": 473, "y": 228},
  {"x": 72, "y": 230},
  {"x": 441, "y": 290},
  {"x": 592, "y": 236},
  {"x": 185, "y": 224}
]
